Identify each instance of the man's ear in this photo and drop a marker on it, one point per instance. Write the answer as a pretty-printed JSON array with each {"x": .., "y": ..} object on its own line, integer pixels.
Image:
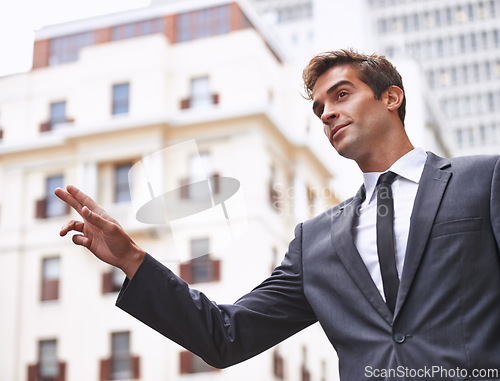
[{"x": 394, "y": 97}]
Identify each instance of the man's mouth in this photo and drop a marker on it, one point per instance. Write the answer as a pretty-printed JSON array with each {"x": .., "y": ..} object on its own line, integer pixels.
[{"x": 336, "y": 129}]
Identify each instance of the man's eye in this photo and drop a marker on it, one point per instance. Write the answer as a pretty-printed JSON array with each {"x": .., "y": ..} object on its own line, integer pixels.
[
  {"x": 341, "y": 94},
  {"x": 319, "y": 112}
]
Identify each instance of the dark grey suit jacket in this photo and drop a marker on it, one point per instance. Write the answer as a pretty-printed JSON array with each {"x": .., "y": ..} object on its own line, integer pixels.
[{"x": 447, "y": 317}]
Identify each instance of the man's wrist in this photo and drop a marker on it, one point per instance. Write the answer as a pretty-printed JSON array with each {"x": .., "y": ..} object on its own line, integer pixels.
[{"x": 134, "y": 261}]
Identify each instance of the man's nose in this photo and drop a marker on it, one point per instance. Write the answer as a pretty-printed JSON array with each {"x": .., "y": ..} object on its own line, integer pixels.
[{"x": 328, "y": 115}]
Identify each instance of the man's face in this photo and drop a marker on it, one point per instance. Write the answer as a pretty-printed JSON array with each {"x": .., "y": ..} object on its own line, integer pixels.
[{"x": 353, "y": 119}]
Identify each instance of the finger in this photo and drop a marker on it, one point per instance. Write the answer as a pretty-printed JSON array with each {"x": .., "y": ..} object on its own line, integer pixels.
[
  {"x": 72, "y": 226},
  {"x": 82, "y": 198},
  {"x": 65, "y": 196},
  {"x": 95, "y": 219},
  {"x": 81, "y": 240}
]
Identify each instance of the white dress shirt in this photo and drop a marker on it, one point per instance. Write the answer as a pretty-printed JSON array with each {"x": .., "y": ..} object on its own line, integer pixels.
[{"x": 409, "y": 169}]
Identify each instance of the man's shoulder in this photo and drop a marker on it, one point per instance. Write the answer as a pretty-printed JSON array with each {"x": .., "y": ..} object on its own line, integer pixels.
[
  {"x": 329, "y": 214},
  {"x": 466, "y": 162}
]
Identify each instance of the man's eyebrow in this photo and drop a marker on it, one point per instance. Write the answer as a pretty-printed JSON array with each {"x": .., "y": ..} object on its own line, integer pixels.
[
  {"x": 339, "y": 84},
  {"x": 332, "y": 89}
]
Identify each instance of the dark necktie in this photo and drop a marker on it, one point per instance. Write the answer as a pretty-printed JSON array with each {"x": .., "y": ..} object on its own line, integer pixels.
[{"x": 385, "y": 238}]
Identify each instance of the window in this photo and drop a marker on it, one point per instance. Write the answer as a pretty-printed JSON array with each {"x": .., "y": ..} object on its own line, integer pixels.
[
  {"x": 120, "y": 356},
  {"x": 50, "y": 278},
  {"x": 122, "y": 191},
  {"x": 204, "y": 23},
  {"x": 305, "y": 373},
  {"x": 112, "y": 280},
  {"x": 121, "y": 364},
  {"x": 274, "y": 194},
  {"x": 67, "y": 48},
  {"x": 201, "y": 267},
  {"x": 47, "y": 368},
  {"x": 141, "y": 28},
  {"x": 48, "y": 360},
  {"x": 200, "y": 92},
  {"x": 50, "y": 205},
  {"x": 200, "y": 95},
  {"x": 190, "y": 363},
  {"x": 460, "y": 137},
  {"x": 120, "y": 99},
  {"x": 200, "y": 168},
  {"x": 57, "y": 115}
]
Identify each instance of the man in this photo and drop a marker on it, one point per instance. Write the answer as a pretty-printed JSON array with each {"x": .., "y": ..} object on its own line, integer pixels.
[{"x": 431, "y": 313}]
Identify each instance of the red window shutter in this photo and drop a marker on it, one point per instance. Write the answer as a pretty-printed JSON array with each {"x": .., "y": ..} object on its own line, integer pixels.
[
  {"x": 136, "y": 366},
  {"x": 186, "y": 359},
  {"x": 45, "y": 126},
  {"x": 107, "y": 282},
  {"x": 306, "y": 376},
  {"x": 185, "y": 103},
  {"x": 184, "y": 189},
  {"x": 215, "y": 99},
  {"x": 41, "y": 208},
  {"x": 50, "y": 289},
  {"x": 215, "y": 182},
  {"x": 215, "y": 270},
  {"x": 186, "y": 272},
  {"x": 61, "y": 375},
  {"x": 33, "y": 372},
  {"x": 105, "y": 372},
  {"x": 278, "y": 365}
]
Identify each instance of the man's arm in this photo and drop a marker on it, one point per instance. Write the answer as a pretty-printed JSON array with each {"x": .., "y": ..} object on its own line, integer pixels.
[
  {"x": 221, "y": 334},
  {"x": 100, "y": 233}
]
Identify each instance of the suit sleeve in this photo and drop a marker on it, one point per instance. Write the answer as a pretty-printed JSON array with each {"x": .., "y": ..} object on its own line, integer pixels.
[
  {"x": 222, "y": 335},
  {"x": 495, "y": 202}
]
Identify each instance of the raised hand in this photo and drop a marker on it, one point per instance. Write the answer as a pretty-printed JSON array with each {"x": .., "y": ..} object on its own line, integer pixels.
[{"x": 100, "y": 233}]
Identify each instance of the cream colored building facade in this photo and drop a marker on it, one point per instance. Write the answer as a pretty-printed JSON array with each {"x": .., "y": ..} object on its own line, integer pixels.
[{"x": 105, "y": 94}]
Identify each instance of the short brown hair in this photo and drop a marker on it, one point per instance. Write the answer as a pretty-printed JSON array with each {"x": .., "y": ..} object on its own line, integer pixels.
[{"x": 374, "y": 70}]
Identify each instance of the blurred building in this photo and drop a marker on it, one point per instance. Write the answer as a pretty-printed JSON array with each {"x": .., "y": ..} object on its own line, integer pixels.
[
  {"x": 111, "y": 91},
  {"x": 455, "y": 44}
]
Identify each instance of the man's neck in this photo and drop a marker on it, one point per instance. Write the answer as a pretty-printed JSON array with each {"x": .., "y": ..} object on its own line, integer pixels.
[{"x": 383, "y": 161}]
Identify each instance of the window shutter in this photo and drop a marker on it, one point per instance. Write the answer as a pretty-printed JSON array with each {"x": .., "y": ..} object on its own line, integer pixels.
[
  {"x": 33, "y": 372},
  {"x": 306, "y": 376},
  {"x": 45, "y": 126},
  {"x": 186, "y": 359},
  {"x": 107, "y": 282},
  {"x": 135, "y": 367},
  {"x": 105, "y": 370},
  {"x": 61, "y": 374},
  {"x": 184, "y": 189},
  {"x": 50, "y": 289},
  {"x": 278, "y": 365},
  {"x": 186, "y": 272},
  {"x": 185, "y": 103},
  {"x": 215, "y": 179},
  {"x": 215, "y": 270},
  {"x": 41, "y": 208}
]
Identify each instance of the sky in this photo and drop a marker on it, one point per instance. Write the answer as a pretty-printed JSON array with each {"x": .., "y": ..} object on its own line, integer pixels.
[{"x": 20, "y": 18}]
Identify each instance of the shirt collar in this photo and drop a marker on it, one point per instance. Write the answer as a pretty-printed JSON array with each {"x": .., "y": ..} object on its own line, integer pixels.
[{"x": 409, "y": 166}]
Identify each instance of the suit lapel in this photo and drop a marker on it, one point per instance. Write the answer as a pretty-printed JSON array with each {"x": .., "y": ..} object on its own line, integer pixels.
[
  {"x": 343, "y": 242},
  {"x": 429, "y": 195}
]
